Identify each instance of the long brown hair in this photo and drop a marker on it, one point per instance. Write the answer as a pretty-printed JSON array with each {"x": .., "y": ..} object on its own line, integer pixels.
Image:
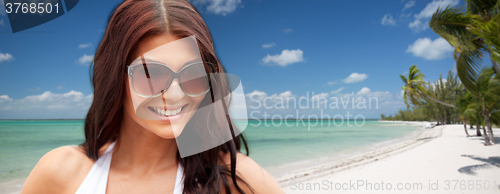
[{"x": 130, "y": 21}]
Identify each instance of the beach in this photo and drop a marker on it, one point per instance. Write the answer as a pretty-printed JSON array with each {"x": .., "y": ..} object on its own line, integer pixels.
[
  {"x": 388, "y": 152},
  {"x": 439, "y": 160}
]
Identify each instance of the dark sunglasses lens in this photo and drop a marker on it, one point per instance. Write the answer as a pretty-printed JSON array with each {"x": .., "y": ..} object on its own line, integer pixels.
[
  {"x": 194, "y": 79},
  {"x": 150, "y": 79}
]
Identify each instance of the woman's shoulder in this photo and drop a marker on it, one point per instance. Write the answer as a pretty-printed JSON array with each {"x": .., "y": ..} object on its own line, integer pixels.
[
  {"x": 60, "y": 170},
  {"x": 253, "y": 174}
]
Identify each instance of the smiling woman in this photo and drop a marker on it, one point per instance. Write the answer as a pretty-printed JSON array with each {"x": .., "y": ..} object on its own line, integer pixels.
[{"x": 153, "y": 86}]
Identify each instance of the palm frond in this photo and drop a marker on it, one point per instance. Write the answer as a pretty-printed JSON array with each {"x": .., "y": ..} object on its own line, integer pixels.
[
  {"x": 451, "y": 24},
  {"x": 479, "y": 7},
  {"x": 468, "y": 64}
]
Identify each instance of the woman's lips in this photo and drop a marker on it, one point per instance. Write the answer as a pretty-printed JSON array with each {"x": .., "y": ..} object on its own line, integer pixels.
[{"x": 160, "y": 113}]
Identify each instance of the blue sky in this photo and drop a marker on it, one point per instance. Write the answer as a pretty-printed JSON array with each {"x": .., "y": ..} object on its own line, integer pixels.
[{"x": 289, "y": 47}]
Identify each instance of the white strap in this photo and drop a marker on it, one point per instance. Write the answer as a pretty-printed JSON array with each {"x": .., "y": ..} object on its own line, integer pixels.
[
  {"x": 179, "y": 180},
  {"x": 97, "y": 178}
]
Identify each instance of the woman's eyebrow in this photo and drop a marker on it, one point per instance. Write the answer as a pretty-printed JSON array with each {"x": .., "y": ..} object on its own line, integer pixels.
[
  {"x": 192, "y": 61},
  {"x": 140, "y": 60}
]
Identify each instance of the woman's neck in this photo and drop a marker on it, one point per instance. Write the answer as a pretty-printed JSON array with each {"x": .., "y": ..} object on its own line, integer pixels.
[{"x": 143, "y": 151}]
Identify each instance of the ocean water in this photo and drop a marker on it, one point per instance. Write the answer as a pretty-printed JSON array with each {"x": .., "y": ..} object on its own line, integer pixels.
[
  {"x": 277, "y": 148},
  {"x": 280, "y": 149}
]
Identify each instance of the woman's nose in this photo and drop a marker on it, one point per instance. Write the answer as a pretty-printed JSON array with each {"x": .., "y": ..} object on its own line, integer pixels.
[{"x": 174, "y": 93}]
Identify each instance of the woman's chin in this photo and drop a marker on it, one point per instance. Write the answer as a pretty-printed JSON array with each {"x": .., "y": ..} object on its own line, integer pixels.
[{"x": 169, "y": 132}]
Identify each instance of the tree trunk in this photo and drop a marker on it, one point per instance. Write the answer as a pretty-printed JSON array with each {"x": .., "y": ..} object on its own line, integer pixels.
[
  {"x": 437, "y": 117},
  {"x": 495, "y": 65},
  {"x": 486, "y": 138},
  {"x": 478, "y": 129},
  {"x": 437, "y": 101},
  {"x": 486, "y": 114},
  {"x": 465, "y": 128}
]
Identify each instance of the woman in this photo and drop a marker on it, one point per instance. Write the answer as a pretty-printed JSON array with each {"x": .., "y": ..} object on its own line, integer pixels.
[{"x": 124, "y": 151}]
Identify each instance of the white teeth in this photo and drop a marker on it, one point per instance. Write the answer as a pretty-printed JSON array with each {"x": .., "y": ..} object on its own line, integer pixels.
[{"x": 164, "y": 112}]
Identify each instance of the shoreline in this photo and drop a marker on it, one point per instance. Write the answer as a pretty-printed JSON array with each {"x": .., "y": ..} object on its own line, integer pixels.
[
  {"x": 395, "y": 146},
  {"x": 439, "y": 154},
  {"x": 283, "y": 169}
]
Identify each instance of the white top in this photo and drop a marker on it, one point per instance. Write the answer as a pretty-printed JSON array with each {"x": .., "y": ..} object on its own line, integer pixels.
[{"x": 96, "y": 180}]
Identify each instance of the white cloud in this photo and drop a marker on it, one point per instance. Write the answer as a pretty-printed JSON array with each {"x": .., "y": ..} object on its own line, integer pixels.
[
  {"x": 388, "y": 20},
  {"x": 6, "y": 57},
  {"x": 355, "y": 78},
  {"x": 59, "y": 87},
  {"x": 433, "y": 6},
  {"x": 2, "y": 23},
  {"x": 363, "y": 91},
  {"x": 5, "y": 98},
  {"x": 257, "y": 95},
  {"x": 282, "y": 95},
  {"x": 417, "y": 25},
  {"x": 73, "y": 104},
  {"x": 319, "y": 96},
  {"x": 337, "y": 90},
  {"x": 365, "y": 102},
  {"x": 288, "y": 30},
  {"x": 331, "y": 83},
  {"x": 431, "y": 49},
  {"x": 286, "y": 57},
  {"x": 220, "y": 7},
  {"x": 433, "y": 84},
  {"x": 85, "y": 45},
  {"x": 409, "y": 4},
  {"x": 268, "y": 45},
  {"x": 86, "y": 59},
  {"x": 286, "y": 94}
]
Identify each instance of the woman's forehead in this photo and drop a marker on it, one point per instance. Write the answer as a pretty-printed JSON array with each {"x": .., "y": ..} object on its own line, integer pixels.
[{"x": 168, "y": 50}]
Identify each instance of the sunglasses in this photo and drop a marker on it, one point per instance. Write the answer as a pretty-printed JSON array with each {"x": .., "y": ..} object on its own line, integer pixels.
[{"x": 152, "y": 79}]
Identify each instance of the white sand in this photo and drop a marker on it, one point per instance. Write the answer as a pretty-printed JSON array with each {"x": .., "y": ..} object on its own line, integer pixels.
[
  {"x": 12, "y": 187},
  {"x": 441, "y": 160}
]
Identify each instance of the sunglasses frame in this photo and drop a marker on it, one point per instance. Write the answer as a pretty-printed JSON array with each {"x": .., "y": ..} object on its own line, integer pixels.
[{"x": 174, "y": 75}]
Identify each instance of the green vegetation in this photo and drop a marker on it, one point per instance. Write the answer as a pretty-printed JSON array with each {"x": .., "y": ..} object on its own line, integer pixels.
[
  {"x": 447, "y": 101},
  {"x": 429, "y": 102},
  {"x": 475, "y": 99}
]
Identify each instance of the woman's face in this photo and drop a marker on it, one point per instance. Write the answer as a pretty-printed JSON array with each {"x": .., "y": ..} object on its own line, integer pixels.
[{"x": 175, "y": 57}]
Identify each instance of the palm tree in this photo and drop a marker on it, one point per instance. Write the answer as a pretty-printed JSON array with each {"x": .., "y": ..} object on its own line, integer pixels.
[
  {"x": 473, "y": 114},
  {"x": 414, "y": 88},
  {"x": 463, "y": 103},
  {"x": 486, "y": 92},
  {"x": 469, "y": 32},
  {"x": 473, "y": 111}
]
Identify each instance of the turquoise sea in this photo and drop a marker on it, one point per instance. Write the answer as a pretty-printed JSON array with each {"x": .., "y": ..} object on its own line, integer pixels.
[{"x": 277, "y": 148}]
